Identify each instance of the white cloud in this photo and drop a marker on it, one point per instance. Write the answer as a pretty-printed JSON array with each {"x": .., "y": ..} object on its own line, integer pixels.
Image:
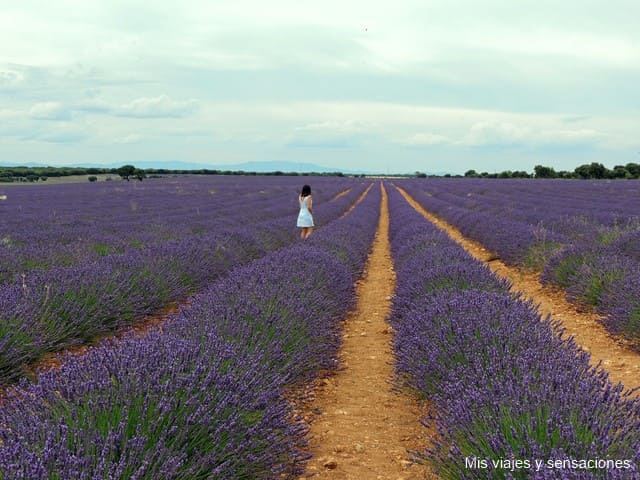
[
  {"x": 576, "y": 136},
  {"x": 338, "y": 126},
  {"x": 10, "y": 78},
  {"x": 402, "y": 124},
  {"x": 7, "y": 115},
  {"x": 551, "y": 133},
  {"x": 424, "y": 139},
  {"x": 608, "y": 49},
  {"x": 495, "y": 133},
  {"x": 161, "y": 106},
  {"x": 61, "y": 134},
  {"x": 131, "y": 138},
  {"x": 329, "y": 134},
  {"x": 50, "y": 111},
  {"x": 156, "y": 107}
]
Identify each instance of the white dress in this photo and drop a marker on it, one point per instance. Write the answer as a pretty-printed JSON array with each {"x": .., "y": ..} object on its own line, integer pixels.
[{"x": 304, "y": 217}]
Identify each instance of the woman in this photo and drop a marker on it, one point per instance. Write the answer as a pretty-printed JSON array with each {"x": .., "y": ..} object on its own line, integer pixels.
[{"x": 305, "y": 220}]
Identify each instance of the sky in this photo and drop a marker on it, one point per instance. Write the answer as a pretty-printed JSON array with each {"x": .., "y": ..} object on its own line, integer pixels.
[{"x": 393, "y": 87}]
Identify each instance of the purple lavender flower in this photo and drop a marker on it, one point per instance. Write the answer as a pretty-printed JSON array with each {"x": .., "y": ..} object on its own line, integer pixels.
[
  {"x": 201, "y": 396},
  {"x": 506, "y": 383}
]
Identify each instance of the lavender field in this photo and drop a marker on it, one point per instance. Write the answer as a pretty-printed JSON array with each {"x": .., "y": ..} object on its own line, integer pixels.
[
  {"x": 583, "y": 236},
  {"x": 201, "y": 397},
  {"x": 506, "y": 386},
  {"x": 79, "y": 261},
  {"x": 205, "y": 394}
]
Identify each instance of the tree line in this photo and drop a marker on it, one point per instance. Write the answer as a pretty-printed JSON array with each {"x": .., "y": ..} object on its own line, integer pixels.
[
  {"x": 127, "y": 172},
  {"x": 586, "y": 171}
]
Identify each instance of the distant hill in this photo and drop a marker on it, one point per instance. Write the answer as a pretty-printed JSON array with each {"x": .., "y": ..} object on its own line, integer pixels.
[
  {"x": 246, "y": 166},
  {"x": 4, "y": 163},
  {"x": 280, "y": 166}
]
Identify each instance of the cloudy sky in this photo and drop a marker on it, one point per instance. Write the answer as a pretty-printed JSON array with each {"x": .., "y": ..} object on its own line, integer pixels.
[{"x": 398, "y": 86}]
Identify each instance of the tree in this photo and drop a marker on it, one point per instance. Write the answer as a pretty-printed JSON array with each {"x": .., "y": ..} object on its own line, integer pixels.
[
  {"x": 93, "y": 178},
  {"x": 139, "y": 173},
  {"x": 541, "y": 171},
  {"x": 593, "y": 170},
  {"x": 564, "y": 174},
  {"x": 620, "y": 171},
  {"x": 633, "y": 169},
  {"x": 126, "y": 171},
  {"x": 419, "y": 174},
  {"x": 470, "y": 173}
]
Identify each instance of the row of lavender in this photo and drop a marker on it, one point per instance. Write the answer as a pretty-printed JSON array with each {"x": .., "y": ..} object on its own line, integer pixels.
[
  {"x": 583, "y": 236},
  {"x": 61, "y": 307},
  {"x": 200, "y": 397},
  {"x": 505, "y": 386},
  {"x": 62, "y": 225}
]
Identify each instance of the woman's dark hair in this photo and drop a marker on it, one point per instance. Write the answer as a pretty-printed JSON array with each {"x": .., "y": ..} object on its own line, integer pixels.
[{"x": 306, "y": 190}]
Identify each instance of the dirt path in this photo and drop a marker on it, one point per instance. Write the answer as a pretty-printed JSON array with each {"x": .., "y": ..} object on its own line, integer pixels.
[
  {"x": 622, "y": 363},
  {"x": 341, "y": 194},
  {"x": 361, "y": 427}
]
